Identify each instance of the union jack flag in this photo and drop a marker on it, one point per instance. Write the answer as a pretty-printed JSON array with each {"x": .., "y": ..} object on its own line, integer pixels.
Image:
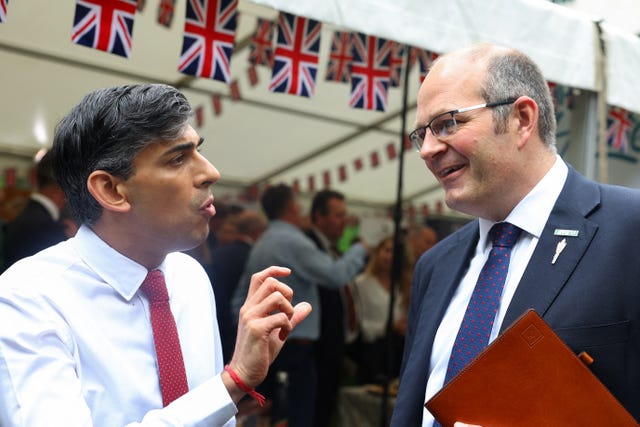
[
  {"x": 209, "y": 34},
  {"x": 3, "y": 10},
  {"x": 340, "y": 57},
  {"x": 424, "y": 58},
  {"x": 395, "y": 63},
  {"x": 342, "y": 173},
  {"x": 618, "y": 123},
  {"x": 296, "y": 56},
  {"x": 165, "y": 12},
  {"x": 370, "y": 72},
  {"x": 261, "y": 46},
  {"x": 105, "y": 25}
]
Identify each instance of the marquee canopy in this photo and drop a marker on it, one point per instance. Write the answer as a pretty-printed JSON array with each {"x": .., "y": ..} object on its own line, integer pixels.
[{"x": 266, "y": 137}]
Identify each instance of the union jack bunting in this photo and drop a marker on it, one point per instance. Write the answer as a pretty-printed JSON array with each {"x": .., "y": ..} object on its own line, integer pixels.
[
  {"x": 424, "y": 58},
  {"x": 234, "y": 91},
  {"x": 209, "y": 34},
  {"x": 216, "y": 102},
  {"x": 342, "y": 173},
  {"x": 105, "y": 25},
  {"x": 370, "y": 72},
  {"x": 3, "y": 10},
  {"x": 261, "y": 45},
  {"x": 618, "y": 123},
  {"x": 339, "y": 57},
  {"x": 296, "y": 56},
  {"x": 165, "y": 12},
  {"x": 326, "y": 179},
  {"x": 395, "y": 63},
  {"x": 253, "y": 75}
]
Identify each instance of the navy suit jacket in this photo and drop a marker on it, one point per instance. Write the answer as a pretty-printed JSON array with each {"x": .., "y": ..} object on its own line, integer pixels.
[
  {"x": 30, "y": 232},
  {"x": 227, "y": 264},
  {"x": 590, "y": 296}
]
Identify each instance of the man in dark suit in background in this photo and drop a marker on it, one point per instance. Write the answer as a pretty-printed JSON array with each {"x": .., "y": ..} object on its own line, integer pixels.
[
  {"x": 227, "y": 264},
  {"x": 37, "y": 226},
  {"x": 486, "y": 130},
  {"x": 328, "y": 220}
]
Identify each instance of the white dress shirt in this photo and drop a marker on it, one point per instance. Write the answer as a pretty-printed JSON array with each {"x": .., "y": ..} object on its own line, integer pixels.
[
  {"x": 76, "y": 343},
  {"x": 530, "y": 215}
]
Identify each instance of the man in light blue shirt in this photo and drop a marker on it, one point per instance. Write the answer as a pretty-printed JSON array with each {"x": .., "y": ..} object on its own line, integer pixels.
[{"x": 284, "y": 243}]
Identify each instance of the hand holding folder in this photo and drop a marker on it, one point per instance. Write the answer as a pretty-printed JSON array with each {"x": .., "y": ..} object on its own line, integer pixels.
[{"x": 528, "y": 377}]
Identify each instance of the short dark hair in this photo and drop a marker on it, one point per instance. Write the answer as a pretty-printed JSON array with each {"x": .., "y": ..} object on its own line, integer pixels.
[
  {"x": 106, "y": 130},
  {"x": 275, "y": 199},
  {"x": 44, "y": 172},
  {"x": 320, "y": 203}
]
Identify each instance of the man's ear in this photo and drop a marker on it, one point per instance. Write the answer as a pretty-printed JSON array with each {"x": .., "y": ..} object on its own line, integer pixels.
[
  {"x": 109, "y": 191},
  {"x": 526, "y": 113}
]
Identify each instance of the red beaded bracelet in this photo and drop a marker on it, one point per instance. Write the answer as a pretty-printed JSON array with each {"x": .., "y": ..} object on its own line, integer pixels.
[{"x": 250, "y": 391}]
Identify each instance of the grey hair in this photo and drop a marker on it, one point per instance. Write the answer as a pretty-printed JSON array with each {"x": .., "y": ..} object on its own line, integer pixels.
[{"x": 514, "y": 74}]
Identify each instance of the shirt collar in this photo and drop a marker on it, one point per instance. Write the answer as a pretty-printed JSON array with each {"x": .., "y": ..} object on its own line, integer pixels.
[
  {"x": 324, "y": 241},
  {"x": 121, "y": 273},
  {"x": 532, "y": 212},
  {"x": 48, "y": 205}
]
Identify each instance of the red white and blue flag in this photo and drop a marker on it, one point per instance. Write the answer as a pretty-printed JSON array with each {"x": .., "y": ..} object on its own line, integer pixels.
[
  {"x": 166, "y": 8},
  {"x": 370, "y": 72},
  {"x": 296, "y": 56},
  {"x": 395, "y": 63},
  {"x": 618, "y": 123},
  {"x": 424, "y": 58},
  {"x": 339, "y": 58},
  {"x": 105, "y": 25},
  {"x": 3, "y": 10},
  {"x": 261, "y": 45},
  {"x": 209, "y": 34}
]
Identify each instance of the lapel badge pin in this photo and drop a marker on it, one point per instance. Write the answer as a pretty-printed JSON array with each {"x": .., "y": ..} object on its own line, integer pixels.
[
  {"x": 565, "y": 232},
  {"x": 559, "y": 248}
]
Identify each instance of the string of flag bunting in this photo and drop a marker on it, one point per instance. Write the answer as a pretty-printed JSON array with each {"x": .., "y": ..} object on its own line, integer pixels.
[{"x": 290, "y": 49}]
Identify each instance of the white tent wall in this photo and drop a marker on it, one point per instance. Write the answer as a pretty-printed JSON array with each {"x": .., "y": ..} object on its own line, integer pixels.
[{"x": 269, "y": 138}]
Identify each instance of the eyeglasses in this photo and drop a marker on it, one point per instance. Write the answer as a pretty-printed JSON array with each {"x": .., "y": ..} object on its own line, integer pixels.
[{"x": 445, "y": 124}]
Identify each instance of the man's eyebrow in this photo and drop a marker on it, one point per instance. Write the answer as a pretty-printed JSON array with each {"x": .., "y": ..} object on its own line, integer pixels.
[{"x": 184, "y": 146}]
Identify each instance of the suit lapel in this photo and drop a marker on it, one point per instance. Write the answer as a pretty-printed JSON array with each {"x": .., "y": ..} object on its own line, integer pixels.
[
  {"x": 542, "y": 280},
  {"x": 439, "y": 286}
]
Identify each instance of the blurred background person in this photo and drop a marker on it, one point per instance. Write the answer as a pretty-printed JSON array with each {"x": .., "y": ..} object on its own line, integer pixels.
[
  {"x": 420, "y": 238},
  {"x": 372, "y": 294},
  {"x": 227, "y": 263},
  {"x": 38, "y": 225},
  {"x": 285, "y": 244},
  {"x": 328, "y": 220}
]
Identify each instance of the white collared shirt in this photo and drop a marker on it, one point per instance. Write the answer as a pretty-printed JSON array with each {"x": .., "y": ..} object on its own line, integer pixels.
[
  {"x": 531, "y": 215},
  {"x": 76, "y": 343}
]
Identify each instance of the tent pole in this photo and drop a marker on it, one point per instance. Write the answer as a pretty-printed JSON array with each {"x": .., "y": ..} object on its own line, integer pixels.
[
  {"x": 601, "y": 76},
  {"x": 398, "y": 248}
]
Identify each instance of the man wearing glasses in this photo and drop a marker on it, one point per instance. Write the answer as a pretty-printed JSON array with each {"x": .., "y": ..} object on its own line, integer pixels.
[{"x": 486, "y": 130}]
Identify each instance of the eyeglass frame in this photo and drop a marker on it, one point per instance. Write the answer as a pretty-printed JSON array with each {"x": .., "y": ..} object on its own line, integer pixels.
[{"x": 418, "y": 141}]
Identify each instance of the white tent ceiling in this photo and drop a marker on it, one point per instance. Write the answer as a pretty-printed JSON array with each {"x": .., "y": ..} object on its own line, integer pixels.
[{"x": 267, "y": 137}]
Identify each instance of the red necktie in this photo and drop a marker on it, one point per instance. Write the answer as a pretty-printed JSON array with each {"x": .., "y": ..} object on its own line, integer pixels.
[{"x": 173, "y": 378}]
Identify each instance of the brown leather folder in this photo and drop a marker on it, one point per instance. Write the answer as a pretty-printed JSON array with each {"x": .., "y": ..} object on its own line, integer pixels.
[{"x": 528, "y": 377}]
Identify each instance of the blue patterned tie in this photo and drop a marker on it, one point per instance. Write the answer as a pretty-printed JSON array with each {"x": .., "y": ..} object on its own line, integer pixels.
[
  {"x": 475, "y": 329},
  {"x": 474, "y": 332}
]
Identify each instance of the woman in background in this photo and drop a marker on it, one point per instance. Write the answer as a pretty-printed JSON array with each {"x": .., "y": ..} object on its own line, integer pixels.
[{"x": 372, "y": 296}]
